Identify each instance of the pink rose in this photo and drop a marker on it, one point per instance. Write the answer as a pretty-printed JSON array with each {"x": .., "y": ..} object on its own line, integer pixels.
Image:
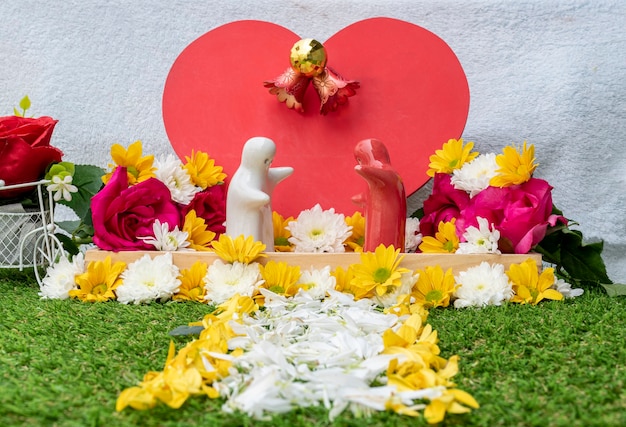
[
  {"x": 444, "y": 203},
  {"x": 25, "y": 151},
  {"x": 210, "y": 205},
  {"x": 521, "y": 213},
  {"x": 121, "y": 213}
]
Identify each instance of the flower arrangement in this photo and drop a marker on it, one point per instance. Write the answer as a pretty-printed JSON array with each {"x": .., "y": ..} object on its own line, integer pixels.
[
  {"x": 277, "y": 329},
  {"x": 27, "y": 157}
]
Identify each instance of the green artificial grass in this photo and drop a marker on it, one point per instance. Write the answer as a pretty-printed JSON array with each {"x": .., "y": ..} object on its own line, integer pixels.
[{"x": 63, "y": 363}]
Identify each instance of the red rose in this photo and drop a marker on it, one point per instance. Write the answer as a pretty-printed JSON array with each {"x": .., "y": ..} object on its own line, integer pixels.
[
  {"x": 210, "y": 205},
  {"x": 444, "y": 203},
  {"x": 25, "y": 151},
  {"x": 121, "y": 213},
  {"x": 521, "y": 213}
]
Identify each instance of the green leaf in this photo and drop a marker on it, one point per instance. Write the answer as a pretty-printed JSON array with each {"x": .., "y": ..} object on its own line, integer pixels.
[
  {"x": 68, "y": 244},
  {"x": 186, "y": 330},
  {"x": 25, "y": 103},
  {"x": 614, "y": 290},
  {"x": 88, "y": 179}
]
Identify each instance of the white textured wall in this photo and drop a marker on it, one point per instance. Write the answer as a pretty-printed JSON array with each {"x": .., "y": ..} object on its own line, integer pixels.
[{"x": 549, "y": 72}]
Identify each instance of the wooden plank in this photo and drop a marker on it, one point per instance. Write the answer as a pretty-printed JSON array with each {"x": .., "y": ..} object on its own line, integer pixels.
[{"x": 458, "y": 263}]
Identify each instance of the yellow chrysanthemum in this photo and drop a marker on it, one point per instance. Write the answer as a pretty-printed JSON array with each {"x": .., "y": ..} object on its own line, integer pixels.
[
  {"x": 515, "y": 167},
  {"x": 357, "y": 238},
  {"x": 198, "y": 236},
  {"x": 241, "y": 249},
  {"x": 452, "y": 156},
  {"x": 98, "y": 283},
  {"x": 345, "y": 284},
  {"x": 202, "y": 170},
  {"x": 405, "y": 306},
  {"x": 281, "y": 234},
  {"x": 192, "y": 283},
  {"x": 452, "y": 401},
  {"x": 281, "y": 278},
  {"x": 445, "y": 240},
  {"x": 529, "y": 286},
  {"x": 434, "y": 287},
  {"x": 138, "y": 168},
  {"x": 379, "y": 270}
]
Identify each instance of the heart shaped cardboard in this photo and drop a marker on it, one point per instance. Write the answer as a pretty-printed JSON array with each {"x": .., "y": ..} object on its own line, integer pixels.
[{"x": 413, "y": 97}]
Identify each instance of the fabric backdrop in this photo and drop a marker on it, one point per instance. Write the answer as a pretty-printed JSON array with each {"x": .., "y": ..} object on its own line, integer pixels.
[{"x": 552, "y": 73}]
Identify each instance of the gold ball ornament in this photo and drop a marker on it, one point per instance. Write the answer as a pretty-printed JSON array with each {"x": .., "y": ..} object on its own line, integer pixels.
[{"x": 308, "y": 57}]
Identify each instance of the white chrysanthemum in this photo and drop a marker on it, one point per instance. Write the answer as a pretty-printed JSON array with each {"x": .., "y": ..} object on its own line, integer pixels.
[
  {"x": 412, "y": 235},
  {"x": 389, "y": 299},
  {"x": 166, "y": 240},
  {"x": 482, "y": 285},
  {"x": 317, "y": 282},
  {"x": 566, "y": 288},
  {"x": 223, "y": 280},
  {"x": 149, "y": 279},
  {"x": 316, "y": 230},
  {"x": 474, "y": 176},
  {"x": 60, "y": 278},
  {"x": 481, "y": 240},
  {"x": 171, "y": 173},
  {"x": 62, "y": 188}
]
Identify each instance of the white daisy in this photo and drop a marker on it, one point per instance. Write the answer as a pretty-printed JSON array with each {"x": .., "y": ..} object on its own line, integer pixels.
[
  {"x": 166, "y": 240},
  {"x": 566, "y": 289},
  {"x": 317, "y": 282},
  {"x": 391, "y": 298},
  {"x": 60, "y": 278},
  {"x": 474, "y": 176},
  {"x": 412, "y": 235},
  {"x": 171, "y": 173},
  {"x": 149, "y": 279},
  {"x": 62, "y": 188},
  {"x": 223, "y": 280},
  {"x": 316, "y": 230},
  {"x": 482, "y": 285},
  {"x": 481, "y": 240}
]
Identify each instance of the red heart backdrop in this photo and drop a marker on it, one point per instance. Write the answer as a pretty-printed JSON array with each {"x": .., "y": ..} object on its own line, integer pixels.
[{"x": 413, "y": 97}]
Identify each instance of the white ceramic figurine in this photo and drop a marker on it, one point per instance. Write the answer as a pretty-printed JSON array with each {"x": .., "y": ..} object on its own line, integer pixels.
[{"x": 249, "y": 197}]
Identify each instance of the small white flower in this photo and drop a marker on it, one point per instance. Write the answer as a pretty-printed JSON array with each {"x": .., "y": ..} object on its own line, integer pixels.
[
  {"x": 482, "y": 285},
  {"x": 407, "y": 281},
  {"x": 566, "y": 289},
  {"x": 166, "y": 240},
  {"x": 149, "y": 279},
  {"x": 316, "y": 230},
  {"x": 317, "y": 282},
  {"x": 171, "y": 173},
  {"x": 60, "y": 278},
  {"x": 62, "y": 188},
  {"x": 412, "y": 235},
  {"x": 481, "y": 240},
  {"x": 223, "y": 280},
  {"x": 474, "y": 176}
]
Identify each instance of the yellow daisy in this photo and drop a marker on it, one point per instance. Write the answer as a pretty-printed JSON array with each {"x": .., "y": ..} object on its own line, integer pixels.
[
  {"x": 192, "y": 283},
  {"x": 445, "y": 240},
  {"x": 98, "y": 283},
  {"x": 281, "y": 234},
  {"x": 202, "y": 170},
  {"x": 281, "y": 278},
  {"x": 515, "y": 167},
  {"x": 240, "y": 249},
  {"x": 452, "y": 156},
  {"x": 529, "y": 286},
  {"x": 357, "y": 238},
  {"x": 379, "y": 270},
  {"x": 344, "y": 283},
  {"x": 199, "y": 236},
  {"x": 434, "y": 287},
  {"x": 138, "y": 168}
]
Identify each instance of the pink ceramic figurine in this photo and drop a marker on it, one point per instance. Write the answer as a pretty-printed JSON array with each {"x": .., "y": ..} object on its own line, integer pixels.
[{"x": 385, "y": 203}]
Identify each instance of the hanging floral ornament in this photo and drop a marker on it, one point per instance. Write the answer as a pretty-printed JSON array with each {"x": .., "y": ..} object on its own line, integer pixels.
[{"x": 308, "y": 63}]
